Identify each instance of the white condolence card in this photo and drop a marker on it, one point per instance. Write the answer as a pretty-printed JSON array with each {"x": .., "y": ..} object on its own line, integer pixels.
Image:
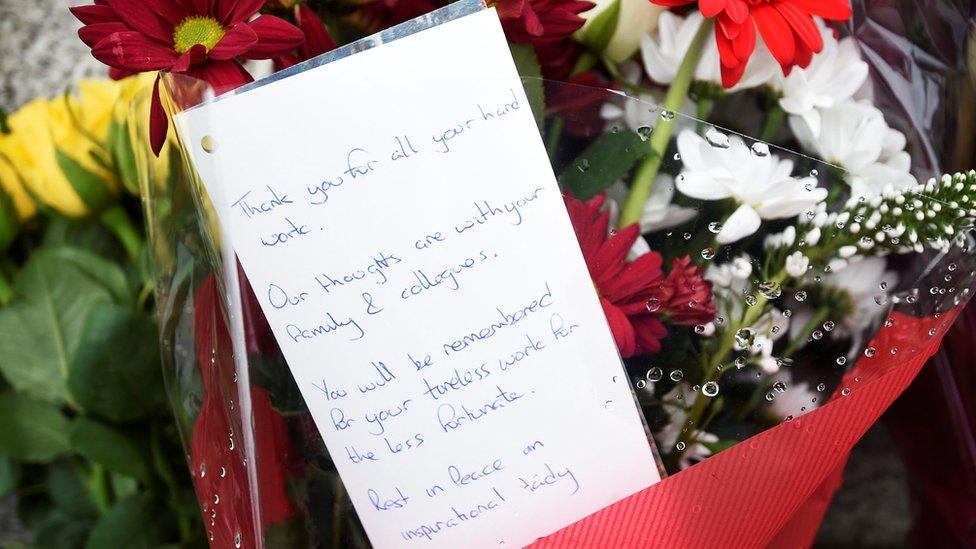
[{"x": 398, "y": 218}]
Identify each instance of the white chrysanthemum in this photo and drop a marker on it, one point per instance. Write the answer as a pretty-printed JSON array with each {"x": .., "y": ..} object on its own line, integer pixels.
[
  {"x": 855, "y": 136},
  {"x": 762, "y": 185},
  {"x": 832, "y": 78},
  {"x": 676, "y": 402},
  {"x": 664, "y": 50}
]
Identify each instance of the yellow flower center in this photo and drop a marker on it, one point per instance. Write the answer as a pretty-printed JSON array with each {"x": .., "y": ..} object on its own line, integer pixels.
[{"x": 197, "y": 30}]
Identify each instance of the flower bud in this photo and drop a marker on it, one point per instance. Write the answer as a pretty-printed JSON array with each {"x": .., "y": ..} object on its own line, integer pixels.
[{"x": 615, "y": 27}]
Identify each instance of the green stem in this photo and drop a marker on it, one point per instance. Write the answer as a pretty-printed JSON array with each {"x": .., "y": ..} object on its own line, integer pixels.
[
  {"x": 96, "y": 480},
  {"x": 811, "y": 326},
  {"x": 704, "y": 109},
  {"x": 714, "y": 372},
  {"x": 6, "y": 290},
  {"x": 555, "y": 132},
  {"x": 774, "y": 121},
  {"x": 172, "y": 486},
  {"x": 338, "y": 514},
  {"x": 661, "y": 135},
  {"x": 117, "y": 221}
]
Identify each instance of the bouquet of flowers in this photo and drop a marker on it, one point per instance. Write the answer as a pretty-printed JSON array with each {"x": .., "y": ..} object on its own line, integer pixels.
[{"x": 741, "y": 280}]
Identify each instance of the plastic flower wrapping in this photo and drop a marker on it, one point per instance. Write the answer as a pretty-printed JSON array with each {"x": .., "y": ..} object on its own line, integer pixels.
[{"x": 767, "y": 196}]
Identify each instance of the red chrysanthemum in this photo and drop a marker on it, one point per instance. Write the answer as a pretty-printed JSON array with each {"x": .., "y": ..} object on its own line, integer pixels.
[
  {"x": 540, "y": 21},
  {"x": 685, "y": 296},
  {"x": 317, "y": 38},
  {"x": 786, "y": 26},
  {"x": 578, "y": 102},
  {"x": 624, "y": 287},
  {"x": 200, "y": 38}
]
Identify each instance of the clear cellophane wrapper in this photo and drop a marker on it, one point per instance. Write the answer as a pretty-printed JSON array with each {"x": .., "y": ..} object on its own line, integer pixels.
[{"x": 748, "y": 423}]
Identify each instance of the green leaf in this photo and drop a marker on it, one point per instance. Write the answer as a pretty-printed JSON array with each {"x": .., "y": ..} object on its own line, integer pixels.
[
  {"x": 42, "y": 327},
  {"x": 120, "y": 146},
  {"x": 33, "y": 430},
  {"x": 10, "y": 474},
  {"x": 86, "y": 234},
  {"x": 116, "y": 451},
  {"x": 136, "y": 521},
  {"x": 116, "y": 372},
  {"x": 528, "y": 67},
  {"x": 110, "y": 275},
  {"x": 69, "y": 493},
  {"x": 600, "y": 31},
  {"x": 604, "y": 162},
  {"x": 91, "y": 188},
  {"x": 62, "y": 531}
]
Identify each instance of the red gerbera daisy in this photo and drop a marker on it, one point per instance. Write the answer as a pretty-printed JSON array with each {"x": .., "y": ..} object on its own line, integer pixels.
[
  {"x": 200, "y": 38},
  {"x": 624, "y": 287},
  {"x": 786, "y": 26}
]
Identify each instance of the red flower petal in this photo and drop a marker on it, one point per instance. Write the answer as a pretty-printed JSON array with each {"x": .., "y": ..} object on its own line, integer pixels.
[
  {"x": 169, "y": 10},
  {"x": 620, "y": 327},
  {"x": 803, "y": 26},
  {"x": 133, "y": 51},
  {"x": 140, "y": 17},
  {"x": 317, "y": 38},
  {"x": 223, "y": 76},
  {"x": 275, "y": 37},
  {"x": 776, "y": 33},
  {"x": 90, "y": 15},
  {"x": 240, "y": 12},
  {"x": 236, "y": 41},
  {"x": 95, "y": 32},
  {"x": 196, "y": 54},
  {"x": 838, "y": 10},
  {"x": 635, "y": 279},
  {"x": 711, "y": 8},
  {"x": 608, "y": 261},
  {"x": 648, "y": 332},
  {"x": 158, "y": 123},
  {"x": 737, "y": 11}
]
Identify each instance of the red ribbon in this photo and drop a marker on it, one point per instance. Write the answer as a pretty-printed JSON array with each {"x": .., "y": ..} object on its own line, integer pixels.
[{"x": 772, "y": 489}]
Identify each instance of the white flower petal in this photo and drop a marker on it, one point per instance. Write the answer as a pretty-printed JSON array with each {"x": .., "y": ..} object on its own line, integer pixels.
[{"x": 742, "y": 223}]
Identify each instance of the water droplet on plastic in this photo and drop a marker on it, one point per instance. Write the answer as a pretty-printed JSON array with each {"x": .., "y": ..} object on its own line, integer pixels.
[
  {"x": 814, "y": 173},
  {"x": 680, "y": 446},
  {"x": 667, "y": 115},
  {"x": 677, "y": 156},
  {"x": 208, "y": 144},
  {"x": 710, "y": 389},
  {"x": 845, "y": 391},
  {"x": 717, "y": 139},
  {"x": 583, "y": 165},
  {"x": 829, "y": 326},
  {"x": 677, "y": 375},
  {"x": 216, "y": 499},
  {"x": 779, "y": 387},
  {"x": 715, "y": 227},
  {"x": 230, "y": 444},
  {"x": 800, "y": 296},
  {"x": 822, "y": 387},
  {"x": 870, "y": 352},
  {"x": 751, "y": 300},
  {"x": 238, "y": 539},
  {"x": 655, "y": 374},
  {"x": 760, "y": 149},
  {"x": 841, "y": 360},
  {"x": 700, "y": 329},
  {"x": 744, "y": 338},
  {"x": 222, "y": 472},
  {"x": 708, "y": 253},
  {"x": 653, "y": 305},
  {"x": 641, "y": 384},
  {"x": 770, "y": 289},
  {"x": 644, "y": 132},
  {"x": 817, "y": 334}
]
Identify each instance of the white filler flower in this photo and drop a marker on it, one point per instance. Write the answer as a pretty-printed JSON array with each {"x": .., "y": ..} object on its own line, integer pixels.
[
  {"x": 762, "y": 185},
  {"x": 831, "y": 79}
]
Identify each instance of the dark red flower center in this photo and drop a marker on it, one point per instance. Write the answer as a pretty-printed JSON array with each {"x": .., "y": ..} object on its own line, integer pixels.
[{"x": 197, "y": 30}]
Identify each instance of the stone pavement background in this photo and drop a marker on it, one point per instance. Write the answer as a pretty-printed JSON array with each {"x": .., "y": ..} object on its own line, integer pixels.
[{"x": 41, "y": 54}]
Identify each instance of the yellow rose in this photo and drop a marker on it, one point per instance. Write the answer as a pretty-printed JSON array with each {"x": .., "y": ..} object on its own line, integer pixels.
[
  {"x": 58, "y": 148},
  {"x": 128, "y": 134},
  {"x": 12, "y": 185},
  {"x": 10, "y": 217}
]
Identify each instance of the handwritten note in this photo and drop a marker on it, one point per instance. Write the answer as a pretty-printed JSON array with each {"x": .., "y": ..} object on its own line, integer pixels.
[{"x": 398, "y": 217}]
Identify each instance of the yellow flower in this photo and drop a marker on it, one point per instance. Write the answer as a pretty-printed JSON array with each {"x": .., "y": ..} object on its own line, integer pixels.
[
  {"x": 12, "y": 185},
  {"x": 58, "y": 148},
  {"x": 130, "y": 119}
]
